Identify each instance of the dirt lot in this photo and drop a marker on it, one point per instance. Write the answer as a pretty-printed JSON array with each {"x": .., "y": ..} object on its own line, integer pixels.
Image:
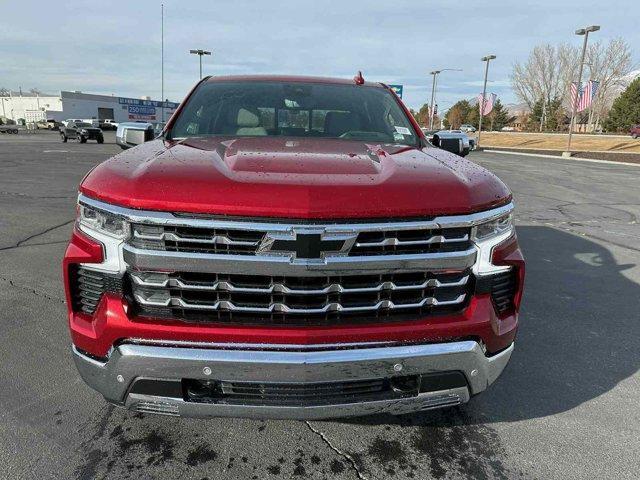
[{"x": 558, "y": 142}]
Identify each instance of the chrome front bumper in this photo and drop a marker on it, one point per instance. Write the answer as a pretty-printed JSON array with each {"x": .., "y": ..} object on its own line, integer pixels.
[{"x": 130, "y": 362}]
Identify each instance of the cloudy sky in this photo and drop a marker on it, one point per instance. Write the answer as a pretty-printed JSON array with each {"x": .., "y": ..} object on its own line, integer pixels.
[{"x": 113, "y": 47}]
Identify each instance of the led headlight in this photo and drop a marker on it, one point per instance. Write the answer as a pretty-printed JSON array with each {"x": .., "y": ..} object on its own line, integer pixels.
[
  {"x": 497, "y": 227},
  {"x": 93, "y": 219},
  {"x": 486, "y": 236}
]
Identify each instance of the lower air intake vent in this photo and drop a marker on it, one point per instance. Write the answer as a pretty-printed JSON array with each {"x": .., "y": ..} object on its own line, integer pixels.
[
  {"x": 503, "y": 288},
  {"x": 87, "y": 287},
  {"x": 159, "y": 408}
]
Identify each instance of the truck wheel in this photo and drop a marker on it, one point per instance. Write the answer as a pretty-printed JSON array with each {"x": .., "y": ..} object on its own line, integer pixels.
[
  {"x": 635, "y": 135},
  {"x": 100, "y": 139},
  {"x": 63, "y": 137},
  {"x": 15, "y": 131}
]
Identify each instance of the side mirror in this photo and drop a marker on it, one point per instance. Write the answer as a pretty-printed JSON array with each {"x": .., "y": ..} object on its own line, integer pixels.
[
  {"x": 130, "y": 134},
  {"x": 454, "y": 142}
]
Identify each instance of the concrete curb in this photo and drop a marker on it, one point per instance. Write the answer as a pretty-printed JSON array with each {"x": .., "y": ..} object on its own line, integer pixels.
[{"x": 558, "y": 157}]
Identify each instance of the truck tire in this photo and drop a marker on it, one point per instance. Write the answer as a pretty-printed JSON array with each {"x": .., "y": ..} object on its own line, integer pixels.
[
  {"x": 63, "y": 137},
  {"x": 100, "y": 139},
  {"x": 635, "y": 135},
  {"x": 15, "y": 130}
]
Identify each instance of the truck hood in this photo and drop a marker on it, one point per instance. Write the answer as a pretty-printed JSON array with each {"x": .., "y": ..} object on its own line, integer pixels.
[{"x": 295, "y": 178}]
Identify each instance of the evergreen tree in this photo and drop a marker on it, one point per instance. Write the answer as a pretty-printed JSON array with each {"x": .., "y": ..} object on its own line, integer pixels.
[
  {"x": 498, "y": 117},
  {"x": 555, "y": 116},
  {"x": 458, "y": 114},
  {"x": 625, "y": 111}
]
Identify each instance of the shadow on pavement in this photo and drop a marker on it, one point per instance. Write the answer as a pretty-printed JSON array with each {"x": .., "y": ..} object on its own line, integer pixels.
[{"x": 579, "y": 335}]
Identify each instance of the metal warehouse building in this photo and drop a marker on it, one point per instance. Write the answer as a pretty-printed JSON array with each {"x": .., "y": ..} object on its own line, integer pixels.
[{"x": 85, "y": 106}]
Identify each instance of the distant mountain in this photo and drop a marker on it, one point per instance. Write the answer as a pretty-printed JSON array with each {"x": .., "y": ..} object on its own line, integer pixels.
[{"x": 517, "y": 109}]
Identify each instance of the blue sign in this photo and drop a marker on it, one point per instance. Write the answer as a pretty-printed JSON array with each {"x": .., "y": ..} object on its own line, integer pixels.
[
  {"x": 141, "y": 110},
  {"x": 146, "y": 103},
  {"x": 397, "y": 89}
]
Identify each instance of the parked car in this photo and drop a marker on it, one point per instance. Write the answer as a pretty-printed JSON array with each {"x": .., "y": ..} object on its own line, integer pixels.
[
  {"x": 81, "y": 132},
  {"x": 467, "y": 128},
  {"x": 251, "y": 263},
  {"x": 635, "y": 131},
  {"x": 9, "y": 129},
  {"x": 75, "y": 120},
  {"x": 108, "y": 124},
  {"x": 53, "y": 124}
]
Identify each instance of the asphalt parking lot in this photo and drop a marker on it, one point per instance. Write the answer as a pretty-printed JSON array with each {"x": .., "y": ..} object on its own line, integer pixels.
[{"x": 566, "y": 407}]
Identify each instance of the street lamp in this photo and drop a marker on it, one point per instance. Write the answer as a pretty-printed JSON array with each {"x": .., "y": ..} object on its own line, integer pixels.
[
  {"x": 574, "y": 101},
  {"x": 200, "y": 53},
  {"x": 482, "y": 101},
  {"x": 435, "y": 74}
]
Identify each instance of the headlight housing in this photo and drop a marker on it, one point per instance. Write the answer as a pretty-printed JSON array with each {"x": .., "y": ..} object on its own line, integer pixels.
[
  {"x": 94, "y": 219},
  {"x": 486, "y": 237},
  {"x": 493, "y": 228}
]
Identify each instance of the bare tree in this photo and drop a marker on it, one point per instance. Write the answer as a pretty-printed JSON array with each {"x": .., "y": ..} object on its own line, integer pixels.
[
  {"x": 546, "y": 74},
  {"x": 609, "y": 65},
  {"x": 549, "y": 71},
  {"x": 35, "y": 91}
]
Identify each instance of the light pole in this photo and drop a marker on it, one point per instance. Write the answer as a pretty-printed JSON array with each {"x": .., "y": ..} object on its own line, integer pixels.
[
  {"x": 433, "y": 94},
  {"x": 200, "y": 53},
  {"x": 482, "y": 101},
  {"x": 435, "y": 74},
  {"x": 574, "y": 101}
]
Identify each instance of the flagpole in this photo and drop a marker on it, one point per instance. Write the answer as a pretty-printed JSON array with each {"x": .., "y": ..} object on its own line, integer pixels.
[
  {"x": 574, "y": 100},
  {"x": 482, "y": 101}
]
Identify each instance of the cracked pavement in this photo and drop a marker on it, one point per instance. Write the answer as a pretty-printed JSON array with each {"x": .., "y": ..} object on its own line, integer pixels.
[{"x": 566, "y": 407}]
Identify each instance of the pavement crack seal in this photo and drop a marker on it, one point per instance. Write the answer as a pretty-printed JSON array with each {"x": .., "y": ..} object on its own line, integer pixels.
[
  {"x": 31, "y": 290},
  {"x": 31, "y": 237},
  {"x": 345, "y": 455}
]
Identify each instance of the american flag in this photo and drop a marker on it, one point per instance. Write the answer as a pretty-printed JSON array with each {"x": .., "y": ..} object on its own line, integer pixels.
[
  {"x": 586, "y": 95},
  {"x": 487, "y": 105}
]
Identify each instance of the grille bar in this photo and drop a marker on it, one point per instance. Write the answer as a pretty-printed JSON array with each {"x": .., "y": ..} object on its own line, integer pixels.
[
  {"x": 139, "y": 279},
  {"x": 428, "y": 241},
  {"x": 283, "y": 308},
  {"x": 174, "y": 237}
]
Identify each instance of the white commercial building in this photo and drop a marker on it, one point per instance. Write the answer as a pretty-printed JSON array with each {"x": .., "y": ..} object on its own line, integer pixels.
[{"x": 85, "y": 106}]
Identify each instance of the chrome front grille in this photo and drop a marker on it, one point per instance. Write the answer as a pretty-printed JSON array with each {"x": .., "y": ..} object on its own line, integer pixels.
[
  {"x": 298, "y": 300},
  {"x": 393, "y": 242},
  {"x": 195, "y": 240},
  {"x": 251, "y": 271},
  {"x": 257, "y": 240}
]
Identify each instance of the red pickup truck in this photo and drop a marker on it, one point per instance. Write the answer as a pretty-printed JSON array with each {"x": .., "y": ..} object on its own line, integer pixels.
[{"x": 291, "y": 247}]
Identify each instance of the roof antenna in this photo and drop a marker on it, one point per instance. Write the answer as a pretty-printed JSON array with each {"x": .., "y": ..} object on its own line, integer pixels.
[{"x": 359, "y": 79}]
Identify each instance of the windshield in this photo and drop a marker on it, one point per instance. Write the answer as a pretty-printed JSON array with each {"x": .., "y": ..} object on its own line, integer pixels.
[{"x": 296, "y": 110}]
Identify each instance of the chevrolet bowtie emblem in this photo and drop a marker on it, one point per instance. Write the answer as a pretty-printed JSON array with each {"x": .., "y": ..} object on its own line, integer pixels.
[{"x": 307, "y": 246}]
